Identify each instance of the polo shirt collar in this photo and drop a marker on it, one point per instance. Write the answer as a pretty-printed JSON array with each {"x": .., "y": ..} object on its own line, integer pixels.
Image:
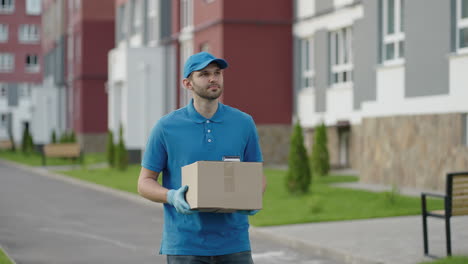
[{"x": 197, "y": 118}]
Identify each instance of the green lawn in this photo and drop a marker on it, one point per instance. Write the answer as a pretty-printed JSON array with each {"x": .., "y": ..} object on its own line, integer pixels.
[
  {"x": 449, "y": 260},
  {"x": 323, "y": 203},
  {"x": 3, "y": 258},
  {"x": 121, "y": 180},
  {"x": 326, "y": 203},
  {"x": 35, "y": 159}
]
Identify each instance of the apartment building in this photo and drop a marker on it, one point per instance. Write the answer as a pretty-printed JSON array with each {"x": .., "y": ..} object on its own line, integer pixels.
[
  {"x": 389, "y": 80},
  {"x": 255, "y": 37},
  {"x": 20, "y": 64},
  {"x": 141, "y": 71},
  {"x": 77, "y": 37}
]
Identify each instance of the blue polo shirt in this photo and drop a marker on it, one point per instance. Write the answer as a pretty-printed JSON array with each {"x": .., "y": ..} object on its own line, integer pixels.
[{"x": 184, "y": 137}]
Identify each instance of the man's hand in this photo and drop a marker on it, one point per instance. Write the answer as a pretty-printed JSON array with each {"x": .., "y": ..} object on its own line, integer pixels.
[
  {"x": 176, "y": 198},
  {"x": 248, "y": 212}
]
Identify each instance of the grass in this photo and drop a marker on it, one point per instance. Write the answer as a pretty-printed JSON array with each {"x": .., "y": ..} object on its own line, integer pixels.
[
  {"x": 323, "y": 203},
  {"x": 121, "y": 180},
  {"x": 3, "y": 258},
  {"x": 35, "y": 158},
  {"x": 327, "y": 203},
  {"x": 449, "y": 260}
]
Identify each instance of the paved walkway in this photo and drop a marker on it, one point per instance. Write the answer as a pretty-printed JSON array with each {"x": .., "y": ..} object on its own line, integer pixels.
[{"x": 381, "y": 240}]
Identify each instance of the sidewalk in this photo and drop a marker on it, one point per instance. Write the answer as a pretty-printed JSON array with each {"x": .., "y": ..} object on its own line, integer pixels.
[{"x": 370, "y": 241}]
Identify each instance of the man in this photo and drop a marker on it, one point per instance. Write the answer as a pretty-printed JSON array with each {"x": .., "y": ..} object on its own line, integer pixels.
[{"x": 205, "y": 129}]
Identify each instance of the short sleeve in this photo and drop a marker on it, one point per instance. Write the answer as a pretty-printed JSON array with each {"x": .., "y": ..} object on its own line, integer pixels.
[
  {"x": 253, "y": 152},
  {"x": 155, "y": 156}
]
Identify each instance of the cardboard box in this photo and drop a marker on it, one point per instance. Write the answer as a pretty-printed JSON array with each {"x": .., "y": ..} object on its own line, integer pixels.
[{"x": 223, "y": 186}]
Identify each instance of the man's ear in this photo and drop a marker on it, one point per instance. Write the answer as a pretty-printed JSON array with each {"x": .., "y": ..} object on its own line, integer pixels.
[{"x": 187, "y": 83}]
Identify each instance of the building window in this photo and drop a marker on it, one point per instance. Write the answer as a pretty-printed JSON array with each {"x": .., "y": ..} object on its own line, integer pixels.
[
  {"x": 7, "y": 6},
  {"x": 137, "y": 16},
  {"x": 186, "y": 13},
  {"x": 25, "y": 91},
  {"x": 3, "y": 119},
  {"x": 307, "y": 72},
  {"x": 3, "y": 90},
  {"x": 186, "y": 50},
  {"x": 465, "y": 129},
  {"x": 33, "y": 7},
  {"x": 7, "y": 62},
  {"x": 28, "y": 33},
  {"x": 341, "y": 55},
  {"x": 153, "y": 25},
  {"x": 3, "y": 33},
  {"x": 393, "y": 31},
  {"x": 462, "y": 25},
  {"x": 32, "y": 64}
]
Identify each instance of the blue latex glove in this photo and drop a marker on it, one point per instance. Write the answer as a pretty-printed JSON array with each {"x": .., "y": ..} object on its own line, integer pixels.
[
  {"x": 248, "y": 212},
  {"x": 176, "y": 198}
]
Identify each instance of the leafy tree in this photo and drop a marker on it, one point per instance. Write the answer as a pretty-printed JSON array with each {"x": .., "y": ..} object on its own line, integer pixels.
[
  {"x": 298, "y": 176},
  {"x": 320, "y": 158},
  {"x": 110, "y": 149}
]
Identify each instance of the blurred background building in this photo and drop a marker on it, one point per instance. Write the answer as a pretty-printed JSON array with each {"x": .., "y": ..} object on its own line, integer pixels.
[
  {"x": 387, "y": 77},
  {"x": 20, "y": 64},
  {"x": 77, "y": 36},
  {"x": 389, "y": 80}
]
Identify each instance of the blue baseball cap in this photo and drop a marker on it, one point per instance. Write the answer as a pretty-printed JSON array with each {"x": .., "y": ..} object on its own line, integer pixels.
[{"x": 200, "y": 60}]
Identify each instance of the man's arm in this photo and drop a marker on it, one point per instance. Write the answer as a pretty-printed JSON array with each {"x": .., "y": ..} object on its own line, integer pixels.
[
  {"x": 264, "y": 184},
  {"x": 149, "y": 187}
]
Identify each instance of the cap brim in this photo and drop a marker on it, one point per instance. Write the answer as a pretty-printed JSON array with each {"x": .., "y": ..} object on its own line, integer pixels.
[{"x": 221, "y": 63}]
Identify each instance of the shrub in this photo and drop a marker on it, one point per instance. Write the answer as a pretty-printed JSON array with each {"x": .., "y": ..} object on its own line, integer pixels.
[
  {"x": 320, "y": 160},
  {"x": 110, "y": 149},
  {"x": 121, "y": 155},
  {"x": 298, "y": 176},
  {"x": 26, "y": 141},
  {"x": 53, "y": 137}
]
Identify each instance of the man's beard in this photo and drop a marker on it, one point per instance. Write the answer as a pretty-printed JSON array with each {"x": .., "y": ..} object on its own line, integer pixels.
[{"x": 205, "y": 92}]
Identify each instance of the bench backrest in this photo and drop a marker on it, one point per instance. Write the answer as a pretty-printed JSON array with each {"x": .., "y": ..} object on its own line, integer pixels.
[
  {"x": 457, "y": 188},
  {"x": 66, "y": 150},
  {"x": 5, "y": 144}
]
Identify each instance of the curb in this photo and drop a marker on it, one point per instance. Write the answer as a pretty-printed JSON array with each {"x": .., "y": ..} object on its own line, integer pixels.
[
  {"x": 8, "y": 256},
  {"x": 309, "y": 248},
  {"x": 82, "y": 183}
]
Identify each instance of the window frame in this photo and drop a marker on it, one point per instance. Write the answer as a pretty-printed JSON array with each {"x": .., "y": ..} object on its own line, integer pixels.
[
  {"x": 341, "y": 49},
  {"x": 462, "y": 23},
  {"x": 29, "y": 33},
  {"x": 7, "y": 59},
  {"x": 8, "y": 8},
  {"x": 4, "y": 33},
  {"x": 186, "y": 14},
  {"x": 398, "y": 35},
  {"x": 186, "y": 50},
  {"x": 32, "y": 67},
  {"x": 307, "y": 64},
  {"x": 33, "y": 7},
  {"x": 153, "y": 34}
]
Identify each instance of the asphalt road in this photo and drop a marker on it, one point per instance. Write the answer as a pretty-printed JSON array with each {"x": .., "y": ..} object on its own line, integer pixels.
[{"x": 48, "y": 220}]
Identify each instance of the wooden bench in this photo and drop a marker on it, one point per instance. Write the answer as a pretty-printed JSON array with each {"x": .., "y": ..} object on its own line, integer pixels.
[
  {"x": 6, "y": 144},
  {"x": 62, "y": 150},
  {"x": 455, "y": 203}
]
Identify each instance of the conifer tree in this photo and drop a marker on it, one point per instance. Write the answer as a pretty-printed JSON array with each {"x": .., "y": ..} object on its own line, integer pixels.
[
  {"x": 320, "y": 158},
  {"x": 298, "y": 176},
  {"x": 110, "y": 149}
]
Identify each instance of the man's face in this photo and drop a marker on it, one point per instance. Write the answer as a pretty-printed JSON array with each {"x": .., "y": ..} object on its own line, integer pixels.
[{"x": 208, "y": 82}]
